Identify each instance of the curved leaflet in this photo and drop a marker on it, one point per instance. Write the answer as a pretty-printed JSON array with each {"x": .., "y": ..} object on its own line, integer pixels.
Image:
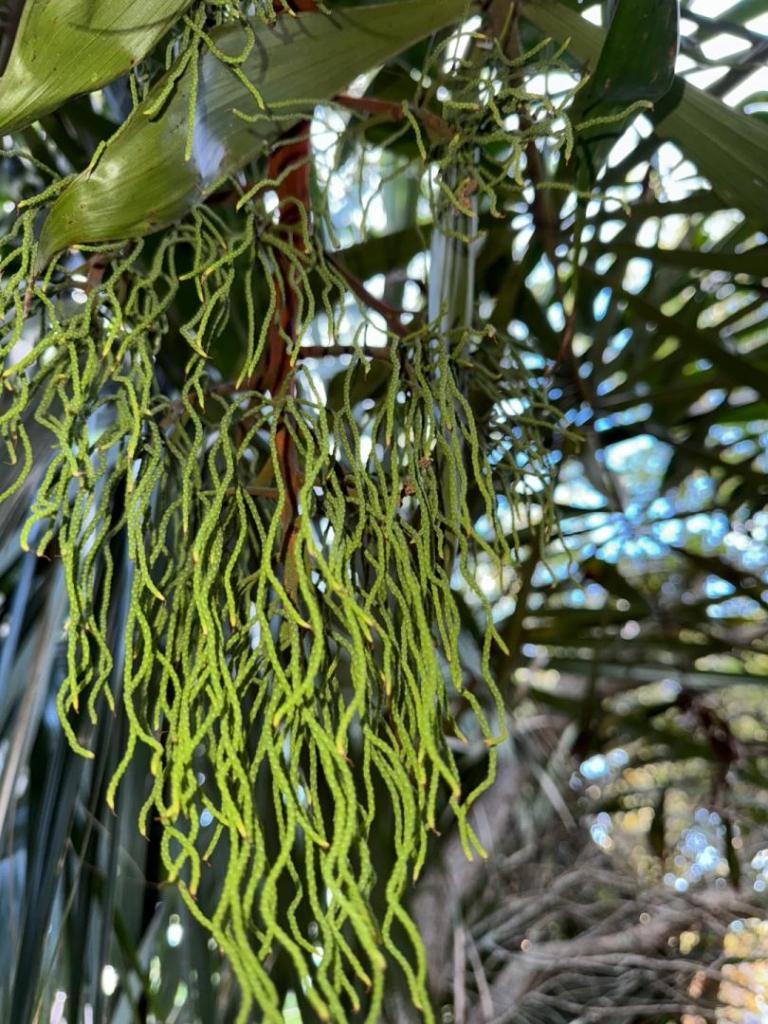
[
  {"x": 636, "y": 66},
  {"x": 62, "y": 48}
]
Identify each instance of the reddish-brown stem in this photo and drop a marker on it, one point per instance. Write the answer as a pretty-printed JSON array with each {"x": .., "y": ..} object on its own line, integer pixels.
[
  {"x": 289, "y": 166},
  {"x": 327, "y": 351},
  {"x": 356, "y": 286},
  {"x": 387, "y": 110},
  {"x": 297, "y": 6}
]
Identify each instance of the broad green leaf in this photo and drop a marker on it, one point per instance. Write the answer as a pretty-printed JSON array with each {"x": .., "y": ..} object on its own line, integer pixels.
[
  {"x": 65, "y": 47},
  {"x": 636, "y": 64},
  {"x": 142, "y": 181},
  {"x": 727, "y": 147}
]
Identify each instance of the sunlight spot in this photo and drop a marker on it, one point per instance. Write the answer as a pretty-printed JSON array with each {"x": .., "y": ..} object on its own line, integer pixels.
[
  {"x": 175, "y": 931},
  {"x": 711, "y": 8},
  {"x": 595, "y": 767},
  {"x": 155, "y": 974},
  {"x": 57, "y": 1010},
  {"x": 706, "y": 77},
  {"x": 724, "y": 45},
  {"x": 291, "y": 1011},
  {"x": 109, "y": 980},
  {"x": 594, "y": 14},
  {"x": 630, "y": 630},
  {"x": 754, "y": 84},
  {"x": 759, "y": 24}
]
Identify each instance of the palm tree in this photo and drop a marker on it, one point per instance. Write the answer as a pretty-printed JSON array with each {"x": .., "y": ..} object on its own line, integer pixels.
[{"x": 383, "y": 511}]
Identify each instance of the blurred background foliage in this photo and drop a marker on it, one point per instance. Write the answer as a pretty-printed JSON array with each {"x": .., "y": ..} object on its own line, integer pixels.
[{"x": 628, "y": 829}]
